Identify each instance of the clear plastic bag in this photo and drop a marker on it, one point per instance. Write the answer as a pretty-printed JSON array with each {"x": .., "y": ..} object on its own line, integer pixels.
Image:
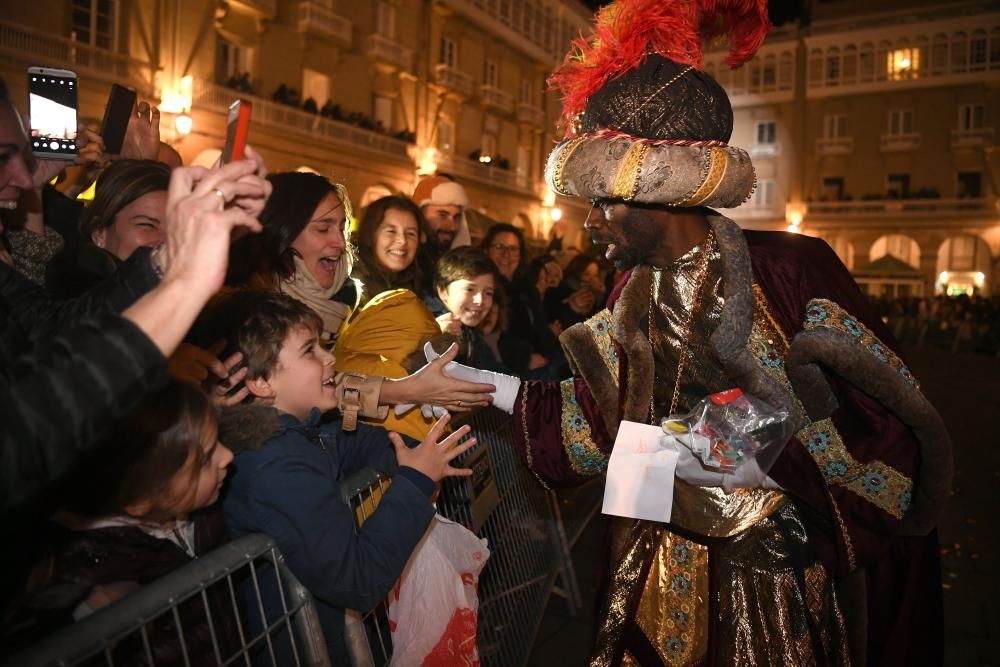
[{"x": 726, "y": 429}]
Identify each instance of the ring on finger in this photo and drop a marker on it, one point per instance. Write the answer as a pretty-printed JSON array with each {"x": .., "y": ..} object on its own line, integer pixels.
[{"x": 460, "y": 404}]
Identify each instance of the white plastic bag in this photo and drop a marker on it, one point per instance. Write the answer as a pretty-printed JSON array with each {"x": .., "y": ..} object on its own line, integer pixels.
[{"x": 433, "y": 607}]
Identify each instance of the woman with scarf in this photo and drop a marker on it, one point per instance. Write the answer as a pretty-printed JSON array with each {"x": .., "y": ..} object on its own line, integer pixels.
[
  {"x": 303, "y": 252},
  {"x": 390, "y": 322}
]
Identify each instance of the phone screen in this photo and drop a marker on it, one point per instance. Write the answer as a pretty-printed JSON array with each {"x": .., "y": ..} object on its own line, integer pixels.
[{"x": 52, "y": 101}]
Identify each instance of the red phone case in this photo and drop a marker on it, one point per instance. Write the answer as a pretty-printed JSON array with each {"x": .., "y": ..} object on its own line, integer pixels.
[{"x": 236, "y": 133}]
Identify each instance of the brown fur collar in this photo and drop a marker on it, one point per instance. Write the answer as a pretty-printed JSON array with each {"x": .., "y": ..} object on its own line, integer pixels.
[
  {"x": 247, "y": 426},
  {"x": 631, "y": 309},
  {"x": 733, "y": 333},
  {"x": 585, "y": 360}
]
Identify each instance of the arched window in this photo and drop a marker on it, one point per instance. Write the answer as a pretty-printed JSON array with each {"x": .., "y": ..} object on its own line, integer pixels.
[
  {"x": 770, "y": 73},
  {"x": 786, "y": 71},
  {"x": 978, "y": 51},
  {"x": 995, "y": 48},
  {"x": 959, "y": 52},
  {"x": 866, "y": 63},
  {"x": 849, "y": 70},
  {"x": 755, "y": 83},
  {"x": 815, "y": 68},
  {"x": 831, "y": 66},
  {"x": 882, "y": 58},
  {"x": 939, "y": 54}
]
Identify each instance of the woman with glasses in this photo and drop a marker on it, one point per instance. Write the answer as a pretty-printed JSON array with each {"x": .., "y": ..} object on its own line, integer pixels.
[{"x": 520, "y": 346}]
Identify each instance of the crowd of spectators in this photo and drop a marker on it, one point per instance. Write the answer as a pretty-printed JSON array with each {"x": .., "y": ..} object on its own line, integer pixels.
[
  {"x": 956, "y": 323},
  {"x": 189, "y": 317}
]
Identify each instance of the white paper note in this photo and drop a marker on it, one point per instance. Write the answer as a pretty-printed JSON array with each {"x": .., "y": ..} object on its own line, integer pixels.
[{"x": 640, "y": 477}]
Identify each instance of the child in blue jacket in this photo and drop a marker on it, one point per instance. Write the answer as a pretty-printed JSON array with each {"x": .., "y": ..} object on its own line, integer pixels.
[{"x": 289, "y": 463}]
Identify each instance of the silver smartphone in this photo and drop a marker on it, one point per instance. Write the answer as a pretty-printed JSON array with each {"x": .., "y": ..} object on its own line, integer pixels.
[{"x": 52, "y": 107}]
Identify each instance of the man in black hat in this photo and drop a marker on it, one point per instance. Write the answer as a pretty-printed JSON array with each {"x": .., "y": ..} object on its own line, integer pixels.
[{"x": 827, "y": 556}]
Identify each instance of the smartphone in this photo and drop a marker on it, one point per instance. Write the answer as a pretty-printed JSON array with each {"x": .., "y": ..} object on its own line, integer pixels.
[
  {"x": 52, "y": 105},
  {"x": 117, "y": 113},
  {"x": 237, "y": 126}
]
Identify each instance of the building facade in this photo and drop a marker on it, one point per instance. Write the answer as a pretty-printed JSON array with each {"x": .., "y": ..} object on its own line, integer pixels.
[
  {"x": 873, "y": 126},
  {"x": 370, "y": 93}
]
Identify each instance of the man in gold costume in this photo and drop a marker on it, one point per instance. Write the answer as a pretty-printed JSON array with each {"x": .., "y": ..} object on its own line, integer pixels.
[{"x": 830, "y": 558}]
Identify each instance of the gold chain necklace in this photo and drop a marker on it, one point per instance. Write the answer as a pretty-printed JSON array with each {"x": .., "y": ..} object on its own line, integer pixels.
[{"x": 654, "y": 336}]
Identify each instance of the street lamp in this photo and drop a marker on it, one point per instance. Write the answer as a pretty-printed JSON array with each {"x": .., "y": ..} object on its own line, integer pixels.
[{"x": 183, "y": 123}]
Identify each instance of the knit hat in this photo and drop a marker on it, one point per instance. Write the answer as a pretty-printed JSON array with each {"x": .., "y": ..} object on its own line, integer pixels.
[
  {"x": 439, "y": 191},
  {"x": 643, "y": 122}
]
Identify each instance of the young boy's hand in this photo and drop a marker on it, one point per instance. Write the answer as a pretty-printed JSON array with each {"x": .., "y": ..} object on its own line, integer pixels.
[{"x": 431, "y": 457}]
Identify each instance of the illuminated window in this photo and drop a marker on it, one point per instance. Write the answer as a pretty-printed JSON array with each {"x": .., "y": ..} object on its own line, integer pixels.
[{"x": 903, "y": 64}]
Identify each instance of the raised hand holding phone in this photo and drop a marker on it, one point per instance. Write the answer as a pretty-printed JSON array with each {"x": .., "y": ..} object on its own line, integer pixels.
[
  {"x": 237, "y": 128},
  {"x": 52, "y": 108},
  {"x": 117, "y": 114}
]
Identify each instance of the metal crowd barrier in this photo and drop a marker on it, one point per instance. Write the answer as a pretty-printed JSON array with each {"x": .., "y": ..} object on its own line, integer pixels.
[
  {"x": 530, "y": 532},
  {"x": 529, "y": 545},
  {"x": 211, "y": 589}
]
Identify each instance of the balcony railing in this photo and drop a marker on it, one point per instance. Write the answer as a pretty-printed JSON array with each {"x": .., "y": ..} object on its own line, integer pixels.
[
  {"x": 312, "y": 127},
  {"x": 317, "y": 19},
  {"x": 453, "y": 79},
  {"x": 390, "y": 52},
  {"x": 494, "y": 98},
  {"x": 765, "y": 150},
  {"x": 484, "y": 173},
  {"x": 530, "y": 114},
  {"x": 892, "y": 143},
  {"x": 835, "y": 146},
  {"x": 979, "y": 137},
  {"x": 900, "y": 207},
  {"x": 40, "y": 48}
]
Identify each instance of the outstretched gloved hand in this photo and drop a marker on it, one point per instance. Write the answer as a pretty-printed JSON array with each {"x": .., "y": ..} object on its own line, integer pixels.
[
  {"x": 690, "y": 469},
  {"x": 507, "y": 385}
]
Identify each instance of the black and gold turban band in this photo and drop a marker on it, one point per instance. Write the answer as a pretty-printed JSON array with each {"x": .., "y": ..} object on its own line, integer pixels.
[{"x": 611, "y": 165}]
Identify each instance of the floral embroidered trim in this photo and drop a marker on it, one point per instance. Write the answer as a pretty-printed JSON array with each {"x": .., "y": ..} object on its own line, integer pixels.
[
  {"x": 600, "y": 329},
  {"x": 584, "y": 456},
  {"x": 827, "y": 314},
  {"x": 527, "y": 437},
  {"x": 876, "y": 482},
  {"x": 680, "y": 602}
]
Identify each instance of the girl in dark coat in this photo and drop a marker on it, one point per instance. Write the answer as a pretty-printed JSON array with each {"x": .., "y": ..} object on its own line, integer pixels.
[{"x": 138, "y": 511}]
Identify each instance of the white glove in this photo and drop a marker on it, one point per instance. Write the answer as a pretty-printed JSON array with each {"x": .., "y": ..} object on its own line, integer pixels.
[
  {"x": 507, "y": 385},
  {"x": 690, "y": 469},
  {"x": 428, "y": 411}
]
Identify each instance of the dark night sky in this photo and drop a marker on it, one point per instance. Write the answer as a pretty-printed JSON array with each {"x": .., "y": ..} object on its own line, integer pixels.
[{"x": 780, "y": 10}]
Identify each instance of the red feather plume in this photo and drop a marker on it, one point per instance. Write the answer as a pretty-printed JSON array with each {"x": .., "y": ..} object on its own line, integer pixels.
[{"x": 625, "y": 32}]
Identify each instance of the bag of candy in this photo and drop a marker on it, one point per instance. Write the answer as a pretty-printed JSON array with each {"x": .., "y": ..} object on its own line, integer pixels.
[{"x": 730, "y": 427}]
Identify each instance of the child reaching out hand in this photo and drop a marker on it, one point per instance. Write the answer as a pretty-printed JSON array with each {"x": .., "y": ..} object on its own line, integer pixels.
[{"x": 289, "y": 464}]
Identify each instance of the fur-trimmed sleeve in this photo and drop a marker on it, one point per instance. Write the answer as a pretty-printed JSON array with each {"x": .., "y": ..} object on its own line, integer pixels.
[{"x": 560, "y": 433}]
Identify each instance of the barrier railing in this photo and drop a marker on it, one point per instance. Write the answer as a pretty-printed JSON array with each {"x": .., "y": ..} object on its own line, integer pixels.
[
  {"x": 529, "y": 546},
  {"x": 530, "y": 533},
  {"x": 211, "y": 591}
]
